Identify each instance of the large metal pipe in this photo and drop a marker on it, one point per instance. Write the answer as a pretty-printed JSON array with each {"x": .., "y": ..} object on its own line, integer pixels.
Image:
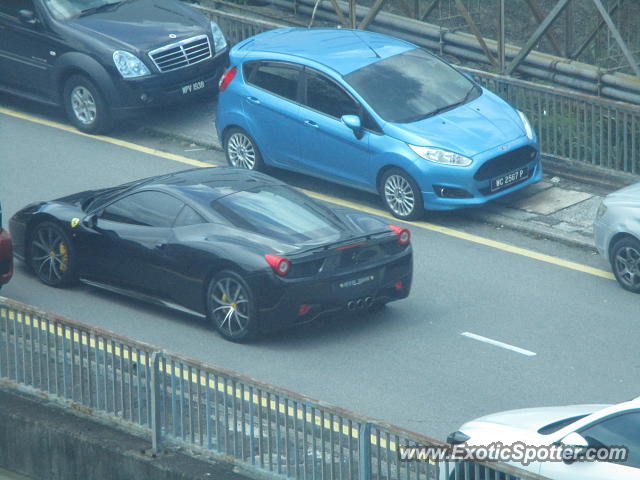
[{"x": 540, "y": 65}]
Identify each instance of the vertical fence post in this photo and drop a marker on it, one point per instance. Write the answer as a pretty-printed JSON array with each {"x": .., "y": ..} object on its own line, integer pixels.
[
  {"x": 364, "y": 454},
  {"x": 156, "y": 419}
]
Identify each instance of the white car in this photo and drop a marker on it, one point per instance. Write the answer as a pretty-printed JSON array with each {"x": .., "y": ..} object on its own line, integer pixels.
[{"x": 573, "y": 429}]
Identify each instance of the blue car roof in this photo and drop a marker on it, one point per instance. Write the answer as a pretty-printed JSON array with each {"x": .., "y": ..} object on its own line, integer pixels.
[{"x": 341, "y": 49}]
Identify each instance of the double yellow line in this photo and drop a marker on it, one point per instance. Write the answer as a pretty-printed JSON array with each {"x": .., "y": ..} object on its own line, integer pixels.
[{"x": 423, "y": 225}]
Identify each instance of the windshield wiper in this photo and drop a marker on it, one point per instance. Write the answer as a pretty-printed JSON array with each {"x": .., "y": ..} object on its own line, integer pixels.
[
  {"x": 452, "y": 105},
  {"x": 100, "y": 8}
]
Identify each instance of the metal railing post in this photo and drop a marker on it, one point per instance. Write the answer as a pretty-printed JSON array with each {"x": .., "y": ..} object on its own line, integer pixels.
[
  {"x": 364, "y": 454},
  {"x": 156, "y": 418}
]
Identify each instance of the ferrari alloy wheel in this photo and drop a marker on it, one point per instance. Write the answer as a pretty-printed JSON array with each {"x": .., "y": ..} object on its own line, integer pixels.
[
  {"x": 51, "y": 255},
  {"x": 230, "y": 306},
  {"x": 401, "y": 195},
  {"x": 241, "y": 150},
  {"x": 625, "y": 260}
]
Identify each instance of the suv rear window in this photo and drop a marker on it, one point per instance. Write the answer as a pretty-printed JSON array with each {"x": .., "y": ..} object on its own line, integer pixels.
[{"x": 281, "y": 213}]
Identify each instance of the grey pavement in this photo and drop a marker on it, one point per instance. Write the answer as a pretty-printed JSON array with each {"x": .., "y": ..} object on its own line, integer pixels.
[{"x": 561, "y": 207}]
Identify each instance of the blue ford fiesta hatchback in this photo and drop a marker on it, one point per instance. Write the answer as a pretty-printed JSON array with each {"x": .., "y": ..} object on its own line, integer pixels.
[{"x": 372, "y": 112}]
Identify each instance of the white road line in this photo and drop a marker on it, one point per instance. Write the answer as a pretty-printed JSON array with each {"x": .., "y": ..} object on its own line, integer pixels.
[{"x": 490, "y": 341}]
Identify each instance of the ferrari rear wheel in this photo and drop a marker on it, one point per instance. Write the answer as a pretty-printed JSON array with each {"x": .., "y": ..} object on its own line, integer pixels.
[
  {"x": 231, "y": 307},
  {"x": 52, "y": 255}
]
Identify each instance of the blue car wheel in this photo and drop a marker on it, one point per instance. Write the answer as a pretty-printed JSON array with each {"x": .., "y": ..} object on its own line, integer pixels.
[
  {"x": 401, "y": 195},
  {"x": 241, "y": 150}
]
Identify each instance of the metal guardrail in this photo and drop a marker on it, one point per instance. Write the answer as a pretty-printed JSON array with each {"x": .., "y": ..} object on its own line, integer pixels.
[
  {"x": 570, "y": 125},
  {"x": 181, "y": 401}
]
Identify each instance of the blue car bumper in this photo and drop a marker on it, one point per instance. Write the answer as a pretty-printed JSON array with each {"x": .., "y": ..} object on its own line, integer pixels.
[{"x": 492, "y": 175}]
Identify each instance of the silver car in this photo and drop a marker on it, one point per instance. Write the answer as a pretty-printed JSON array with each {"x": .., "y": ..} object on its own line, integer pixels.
[
  {"x": 579, "y": 430},
  {"x": 617, "y": 235}
]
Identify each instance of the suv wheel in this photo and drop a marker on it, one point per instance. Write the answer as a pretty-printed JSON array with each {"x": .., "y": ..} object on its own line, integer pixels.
[{"x": 85, "y": 105}]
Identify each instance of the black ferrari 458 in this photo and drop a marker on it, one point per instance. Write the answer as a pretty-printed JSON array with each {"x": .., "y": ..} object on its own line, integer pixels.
[{"x": 239, "y": 247}]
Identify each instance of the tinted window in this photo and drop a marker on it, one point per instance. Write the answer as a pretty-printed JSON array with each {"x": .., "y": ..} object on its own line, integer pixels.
[
  {"x": 281, "y": 213},
  {"x": 411, "y": 86},
  {"x": 619, "y": 431},
  {"x": 278, "y": 78},
  {"x": 65, "y": 9},
  {"x": 188, "y": 216},
  {"x": 326, "y": 96},
  {"x": 153, "y": 209},
  {"x": 11, "y": 7}
]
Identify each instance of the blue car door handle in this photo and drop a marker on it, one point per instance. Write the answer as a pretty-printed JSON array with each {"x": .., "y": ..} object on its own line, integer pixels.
[
  {"x": 253, "y": 100},
  {"x": 309, "y": 123}
]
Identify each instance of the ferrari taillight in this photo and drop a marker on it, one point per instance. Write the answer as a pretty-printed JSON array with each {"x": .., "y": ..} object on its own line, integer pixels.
[
  {"x": 403, "y": 234},
  {"x": 280, "y": 265}
]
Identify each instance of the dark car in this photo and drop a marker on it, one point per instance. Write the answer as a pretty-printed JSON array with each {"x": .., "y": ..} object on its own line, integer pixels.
[
  {"x": 105, "y": 59},
  {"x": 242, "y": 248},
  {"x": 6, "y": 255}
]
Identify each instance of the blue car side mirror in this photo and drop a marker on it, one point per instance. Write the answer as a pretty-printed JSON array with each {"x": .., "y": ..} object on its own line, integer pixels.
[{"x": 354, "y": 123}]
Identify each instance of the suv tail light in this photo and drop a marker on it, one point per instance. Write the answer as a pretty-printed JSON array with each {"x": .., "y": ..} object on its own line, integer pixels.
[
  {"x": 403, "y": 234},
  {"x": 225, "y": 79},
  {"x": 280, "y": 265}
]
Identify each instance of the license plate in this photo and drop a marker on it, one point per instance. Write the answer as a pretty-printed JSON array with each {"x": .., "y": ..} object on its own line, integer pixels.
[
  {"x": 192, "y": 87},
  {"x": 509, "y": 179},
  {"x": 356, "y": 281}
]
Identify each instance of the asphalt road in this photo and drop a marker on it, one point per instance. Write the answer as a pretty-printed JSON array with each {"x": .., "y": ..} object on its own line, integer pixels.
[{"x": 408, "y": 365}]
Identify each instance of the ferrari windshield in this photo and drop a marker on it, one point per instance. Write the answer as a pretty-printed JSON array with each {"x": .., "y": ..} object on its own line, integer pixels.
[
  {"x": 66, "y": 9},
  {"x": 411, "y": 86}
]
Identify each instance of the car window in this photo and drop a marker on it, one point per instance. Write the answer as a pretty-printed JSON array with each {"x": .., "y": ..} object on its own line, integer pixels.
[
  {"x": 279, "y": 212},
  {"x": 619, "y": 431},
  {"x": 12, "y": 7},
  {"x": 411, "y": 86},
  {"x": 153, "y": 209},
  {"x": 188, "y": 216},
  {"x": 279, "y": 78},
  {"x": 326, "y": 96},
  {"x": 66, "y": 9}
]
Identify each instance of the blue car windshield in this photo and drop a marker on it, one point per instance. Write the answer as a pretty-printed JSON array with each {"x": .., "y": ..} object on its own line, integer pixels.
[
  {"x": 281, "y": 213},
  {"x": 411, "y": 86},
  {"x": 66, "y": 9}
]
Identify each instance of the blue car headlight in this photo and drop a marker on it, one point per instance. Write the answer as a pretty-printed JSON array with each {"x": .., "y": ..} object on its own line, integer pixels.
[
  {"x": 528, "y": 130},
  {"x": 443, "y": 157},
  {"x": 219, "y": 42},
  {"x": 129, "y": 65}
]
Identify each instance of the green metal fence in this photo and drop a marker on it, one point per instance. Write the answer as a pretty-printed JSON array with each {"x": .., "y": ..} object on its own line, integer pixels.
[{"x": 180, "y": 401}]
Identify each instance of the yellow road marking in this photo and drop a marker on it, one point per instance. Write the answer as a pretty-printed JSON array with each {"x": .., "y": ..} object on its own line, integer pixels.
[
  {"x": 113, "y": 141},
  {"x": 419, "y": 224}
]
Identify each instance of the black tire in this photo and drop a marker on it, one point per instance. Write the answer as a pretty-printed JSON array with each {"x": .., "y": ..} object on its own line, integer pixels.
[
  {"x": 231, "y": 307},
  {"x": 241, "y": 150},
  {"x": 52, "y": 255},
  {"x": 85, "y": 105},
  {"x": 401, "y": 195},
  {"x": 625, "y": 263}
]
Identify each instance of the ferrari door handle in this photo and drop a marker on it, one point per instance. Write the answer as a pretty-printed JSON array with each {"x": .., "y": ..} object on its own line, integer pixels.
[
  {"x": 253, "y": 100},
  {"x": 310, "y": 123}
]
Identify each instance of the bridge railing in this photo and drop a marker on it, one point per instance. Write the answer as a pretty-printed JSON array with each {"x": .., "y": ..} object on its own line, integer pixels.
[
  {"x": 570, "y": 125},
  {"x": 179, "y": 401}
]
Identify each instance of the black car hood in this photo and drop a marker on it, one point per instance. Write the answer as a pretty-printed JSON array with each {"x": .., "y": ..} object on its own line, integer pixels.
[{"x": 143, "y": 24}]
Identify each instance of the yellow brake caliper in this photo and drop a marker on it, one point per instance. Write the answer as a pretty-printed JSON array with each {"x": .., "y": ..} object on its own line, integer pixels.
[{"x": 64, "y": 257}]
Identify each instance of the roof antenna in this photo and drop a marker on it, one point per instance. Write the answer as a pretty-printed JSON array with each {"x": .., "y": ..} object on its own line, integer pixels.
[{"x": 369, "y": 46}]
